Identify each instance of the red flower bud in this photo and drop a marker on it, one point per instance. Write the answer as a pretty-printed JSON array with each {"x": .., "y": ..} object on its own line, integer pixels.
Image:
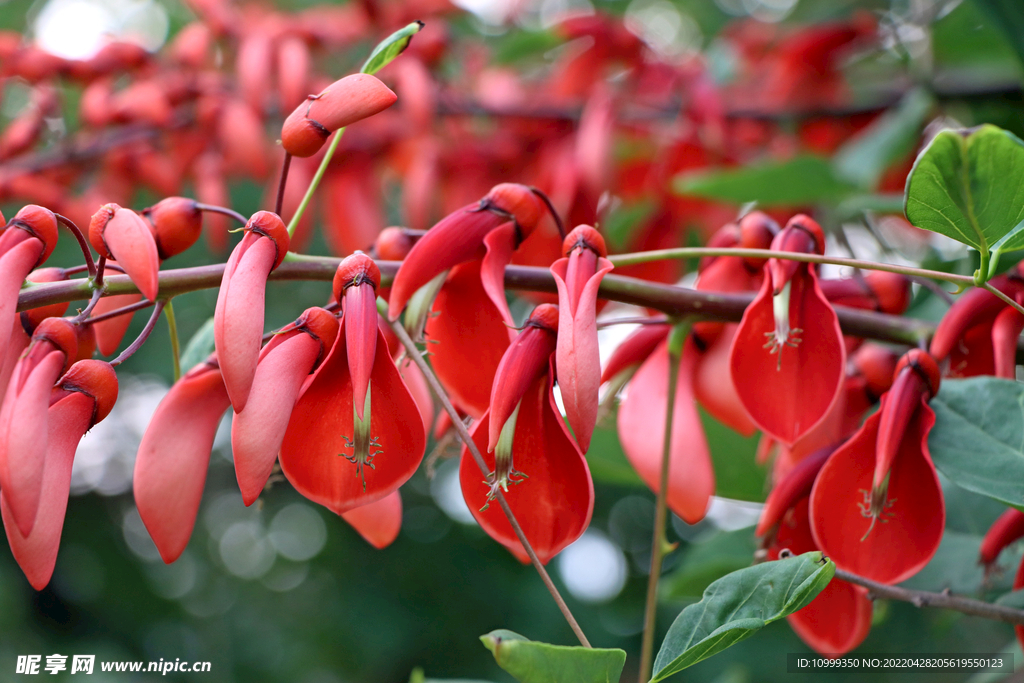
[{"x": 177, "y": 224}]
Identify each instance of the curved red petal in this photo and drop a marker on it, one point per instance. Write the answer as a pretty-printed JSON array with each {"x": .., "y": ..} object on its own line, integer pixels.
[
  {"x": 787, "y": 398},
  {"x": 466, "y": 325},
  {"x": 578, "y": 358},
  {"x": 238, "y": 318},
  {"x": 500, "y": 243},
  {"x": 417, "y": 385},
  {"x": 130, "y": 242},
  {"x": 526, "y": 359},
  {"x": 15, "y": 265},
  {"x": 905, "y": 537},
  {"x": 1005, "y": 530},
  {"x": 553, "y": 505},
  {"x": 839, "y": 618},
  {"x": 312, "y": 454},
  {"x": 719, "y": 397},
  {"x": 257, "y": 432},
  {"x": 1005, "y": 332},
  {"x": 36, "y": 553},
  {"x": 457, "y": 238},
  {"x": 170, "y": 470},
  {"x": 378, "y": 522},
  {"x": 18, "y": 343},
  {"x": 642, "y": 433},
  {"x": 23, "y": 435}
]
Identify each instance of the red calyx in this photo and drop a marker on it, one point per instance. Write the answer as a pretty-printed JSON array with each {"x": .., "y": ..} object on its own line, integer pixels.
[
  {"x": 39, "y": 222},
  {"x": 270, "y": 225}
]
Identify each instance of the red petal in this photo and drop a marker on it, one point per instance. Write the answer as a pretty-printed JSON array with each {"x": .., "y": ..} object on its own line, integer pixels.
[
  {"x": 839, "y": 618},
  {"x": 717, "y": 397},
  {"x": 130, "y": 242},
  {"x": 904, "y": 539},
  {"x": 1005, "y": 332},
  {"x": 238, "y": 318},
  {"x": 554, "y": 504},
  {"x": 466, "y": 325},
  {"x": 974, "y": 307},
  {"x": 378, "y": 522},
  {"x": 642, "y": 433},
  {"x": 1004, "y": 531},
  {"x": 416, "y": 383},
  {"x": 36, "y": 553},
  {"x": 361, "y": 337},
  {"x": 788, "y": 401},
  {"x": 500, "y": 244},
  {"x": 170, "y": 470},
  {"x": 257, "y": 432},
  {"x": 23, "y": 434},
  {"x": 634, "y": 349},
  {"x": 457, "y": 238},
  {"x": 18, "y": 343},
  {"x": 15, "y": 265},
  {"x": 311, "y": 454},
  {"x": 578, "y": 357}
]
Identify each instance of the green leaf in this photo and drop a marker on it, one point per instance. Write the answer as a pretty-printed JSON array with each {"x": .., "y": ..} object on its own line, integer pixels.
[
  {"x": 198, "y": 348},
  {"x": 1014, "y": 599},
  {"x": 978, "y": 437},
  {"x": 805, "y": 179},
  {"x": 738, "y": 605},
  {"x": 891, "y": 137},
  {"x": 391, "y": 47},
  {"x": 966, "y": 185},
  {"x": 708, "y": 560},
  {"x": 532, "y": 662}
]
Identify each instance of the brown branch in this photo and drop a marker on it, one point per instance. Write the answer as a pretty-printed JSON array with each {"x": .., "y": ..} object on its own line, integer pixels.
[{"x": 977, "y": 608}]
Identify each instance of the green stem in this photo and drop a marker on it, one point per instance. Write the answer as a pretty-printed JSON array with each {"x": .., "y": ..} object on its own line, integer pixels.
[
  {"x": 1006, "y": 299},
  {"x": 172, "y": 328},
  {"x": 699, "y": 252},
  {"x": 313, "y": 184},
  {"x": 414, "y": 353},
  {"x": 675, "y": 349}
]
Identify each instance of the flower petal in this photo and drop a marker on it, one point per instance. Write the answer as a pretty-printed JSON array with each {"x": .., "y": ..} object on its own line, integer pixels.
[
  {"x": 378, "y": 522},
  {"x": 691, "y": 479}
]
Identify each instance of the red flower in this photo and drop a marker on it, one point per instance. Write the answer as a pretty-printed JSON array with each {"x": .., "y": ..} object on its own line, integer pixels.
[
  {"x": 82, "y": 398},
  {"x": 553, "y": 496},
  {"x": 356, "y": 433},
  {"x": 577, "y": 358},
  {"x": 123, "y": 235},
  {"x": 877, "y": 507},
  {"x": 378, "y": 522},
  {"x": 170, "y": 470},
  {"x": 25, "y": 242},
  {"x": 789, "y": 383},
  {"x": 342, "y": 103},
  {"x": 238, "y": 318},
  {"x": 642, "y": 433},
  {"x": 284, "y": 365},
  {"x": 24, "y": 417}
]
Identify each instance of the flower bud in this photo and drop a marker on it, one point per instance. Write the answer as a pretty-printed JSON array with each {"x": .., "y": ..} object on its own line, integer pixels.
[{"x": 342, "y": 103}]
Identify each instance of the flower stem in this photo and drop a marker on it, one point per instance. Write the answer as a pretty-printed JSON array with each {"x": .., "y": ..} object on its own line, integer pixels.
[
  {"x": 460, "y": 427},
  {"x": 285, "y": 165},
  {"x": 699, "y": 252},
  {"x": 675, "y": 349},
  {"x": 143, "y": 336},
  {"x": 314, "y": 183},
  {"x": 172, "y": 328},
  {"x": 231, "y": 213},
  {"x": 1009, "y": 301},
  {"x": 90, "y": 264}
]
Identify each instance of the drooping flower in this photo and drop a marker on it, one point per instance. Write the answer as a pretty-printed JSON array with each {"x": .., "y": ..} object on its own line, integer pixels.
[
  {"x": 285, "y": 363},
  {"x": 979, "y": 332},
  {"x": 356, "y": 433},
  {"x": 238, "y": 318},
  {"x": 24, "y": 417},
  {"x": 551, "y": 492},
  {"x": 578, "y": 362},
  {"x": 789, "y": 382},
  {"x": 170, "y": 469},
  {"x": 83, "y": 397},
  {"x": 124, "y": 236},
  {"x": 641, "y": 422},
  {"x": 378, "y": 522},
  {"x": 490, "y": 230},
  {"x": 1008, "y": 528},
  {"x": 340, "y": 104},
  {"x": 27, "y": 241},
  {"x": 877, "y": 507}
]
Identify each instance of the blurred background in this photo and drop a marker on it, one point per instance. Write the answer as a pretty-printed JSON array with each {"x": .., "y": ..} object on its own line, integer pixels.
[{"x": 286, "y": 591}]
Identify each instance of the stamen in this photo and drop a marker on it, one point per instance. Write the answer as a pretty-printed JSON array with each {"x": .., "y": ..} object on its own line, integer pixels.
[
  {"x": 782, "y": 335},
  {"x": 364, "y": 447},
  {"x": 876, "y": 506},
  {"x": 504, "y": 472}
]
